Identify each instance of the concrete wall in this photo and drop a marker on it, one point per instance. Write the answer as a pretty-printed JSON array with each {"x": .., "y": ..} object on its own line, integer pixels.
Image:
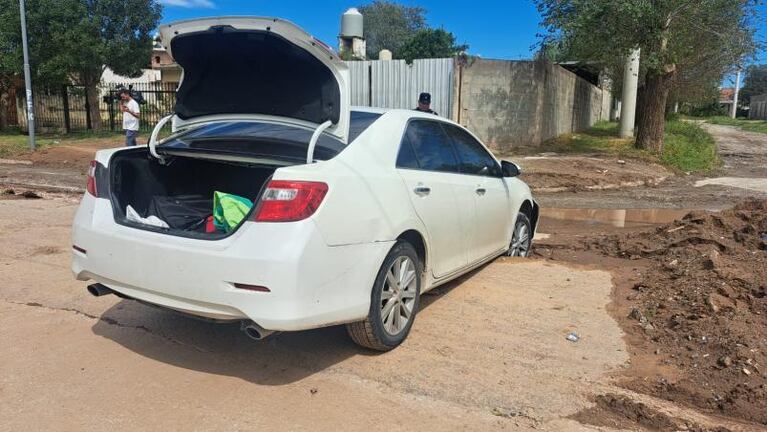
[
  {"x": 758, "y": 107},
  {"x": 512, "y": 104}
]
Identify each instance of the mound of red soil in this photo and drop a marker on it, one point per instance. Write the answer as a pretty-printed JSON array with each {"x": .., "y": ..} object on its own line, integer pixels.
[{"x": 703, "y": 305}]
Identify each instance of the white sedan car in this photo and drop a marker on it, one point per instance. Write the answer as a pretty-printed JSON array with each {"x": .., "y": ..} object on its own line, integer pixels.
[{"x": 352, "y": 214}]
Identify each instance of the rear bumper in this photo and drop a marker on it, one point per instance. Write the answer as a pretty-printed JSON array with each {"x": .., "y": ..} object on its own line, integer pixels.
[{"x": 311, "y": 284}]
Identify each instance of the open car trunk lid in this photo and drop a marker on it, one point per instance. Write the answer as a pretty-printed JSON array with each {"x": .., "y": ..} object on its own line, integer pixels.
[{"x": 267, "y": 67}]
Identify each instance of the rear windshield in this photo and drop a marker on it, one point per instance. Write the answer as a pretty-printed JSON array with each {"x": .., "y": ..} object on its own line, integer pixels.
[
  {"x": 260, "y": 139},
  {"x": 254, "y": 139}
]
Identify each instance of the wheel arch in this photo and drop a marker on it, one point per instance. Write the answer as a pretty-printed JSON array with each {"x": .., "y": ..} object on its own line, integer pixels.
[
  {"x": 418, "y": 241},
  {"x": 532, "y": 210}
]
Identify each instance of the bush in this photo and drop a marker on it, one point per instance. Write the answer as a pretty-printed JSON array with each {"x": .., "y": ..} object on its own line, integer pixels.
[
  {"x": 672, "y": 116},
  {"x": 708, "y": 110}
]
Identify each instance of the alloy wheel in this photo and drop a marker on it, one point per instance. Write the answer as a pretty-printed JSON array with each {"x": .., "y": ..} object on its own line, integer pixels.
[
  {"x": 520, "y": 241},
  {"x": 398, "y": 295}
]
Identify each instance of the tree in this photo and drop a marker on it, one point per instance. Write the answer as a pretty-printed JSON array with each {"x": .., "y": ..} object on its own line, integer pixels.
[
  {"x": 430, "y": 43},
  {"x": 10, "y": 62},
  {"x": 388, "y": 25},
  {"x": 675, "y": 36},
  {"x": 44, "y": 29},
  {"x": 107, "y": 33},
  {"x": 754, "y": 83}
]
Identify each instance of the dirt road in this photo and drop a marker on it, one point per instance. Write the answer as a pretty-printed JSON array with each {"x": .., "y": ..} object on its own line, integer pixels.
[
  {"x": 487, "y": 353},
  {"x": 744, "y": 174}
]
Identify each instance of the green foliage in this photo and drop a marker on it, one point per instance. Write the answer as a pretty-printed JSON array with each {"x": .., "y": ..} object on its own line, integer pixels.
[
  {"x": 689, "y": 148},
  {"x": 713, "y": 108},
  {"x": 671, "y": 33},
  {"x": 389, "y": 24},
  {"x": 44, "y": 33},
  {"x": 430, "y": 43},
  {"x": 685, "y": 45},
  {"x": 112, "y": 33},
  {"x": 73, "y": 40},
  {"x": 745, "y": 124},
  {"x": 754, "y": 83}
]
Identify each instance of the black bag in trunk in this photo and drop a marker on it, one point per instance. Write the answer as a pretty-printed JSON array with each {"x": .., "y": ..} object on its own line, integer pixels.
[{"x": 183, "y": 212}]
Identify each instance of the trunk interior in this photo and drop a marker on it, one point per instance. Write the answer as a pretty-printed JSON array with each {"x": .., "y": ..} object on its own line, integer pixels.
[{"x": 179, "y": 193}]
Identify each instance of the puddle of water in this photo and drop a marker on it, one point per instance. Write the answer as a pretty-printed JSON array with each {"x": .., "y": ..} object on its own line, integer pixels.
[{"x": 620, "y": 218}]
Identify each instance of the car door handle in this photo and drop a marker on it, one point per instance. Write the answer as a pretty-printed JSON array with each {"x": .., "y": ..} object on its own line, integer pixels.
[
  {"x": 422, "y": 190},
  {"x": 481, "y": 191}
]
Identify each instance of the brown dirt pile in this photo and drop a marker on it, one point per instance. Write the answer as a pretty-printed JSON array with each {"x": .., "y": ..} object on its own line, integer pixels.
[
  {"x": 621, "y": 412},
  {"x": 702, "y": 307}
]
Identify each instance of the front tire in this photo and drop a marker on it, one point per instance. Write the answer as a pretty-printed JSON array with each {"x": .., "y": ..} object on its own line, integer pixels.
[
  {"x": 394, "y": 301},
  {"x": 522, "y": 237}
]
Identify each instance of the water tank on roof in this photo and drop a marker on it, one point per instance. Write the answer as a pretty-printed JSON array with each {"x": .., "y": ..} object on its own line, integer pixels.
[{"x": 351, "y": 23}]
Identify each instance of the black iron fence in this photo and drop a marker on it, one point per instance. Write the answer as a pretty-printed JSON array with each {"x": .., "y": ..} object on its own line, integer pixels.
[{"x": 67, "y": 109}]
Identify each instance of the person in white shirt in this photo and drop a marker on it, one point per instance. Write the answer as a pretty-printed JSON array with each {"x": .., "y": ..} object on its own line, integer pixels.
[{"x": 131, "y": 112}]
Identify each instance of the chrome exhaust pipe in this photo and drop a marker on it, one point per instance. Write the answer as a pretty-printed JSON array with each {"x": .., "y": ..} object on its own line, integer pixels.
[
  {"x": 255, "y": 331},
  {"x": 98, "y": 290}
]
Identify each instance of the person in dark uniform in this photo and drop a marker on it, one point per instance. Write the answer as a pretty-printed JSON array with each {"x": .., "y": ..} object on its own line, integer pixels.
[{"x": 424, "y": 104}]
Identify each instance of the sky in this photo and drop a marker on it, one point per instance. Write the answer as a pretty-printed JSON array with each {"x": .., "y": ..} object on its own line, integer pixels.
[
  {"x": 499, "y": 29},
  {"x": 507, "y": 32}
]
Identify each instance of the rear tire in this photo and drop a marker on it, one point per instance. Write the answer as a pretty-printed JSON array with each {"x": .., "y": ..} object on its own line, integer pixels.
[
  {"x": 393, "y": 303},
  {"x": 522, "y": 237}
]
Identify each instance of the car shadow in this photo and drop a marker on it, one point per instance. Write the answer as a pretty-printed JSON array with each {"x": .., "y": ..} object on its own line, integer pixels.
[
  {"x": 432, "y": 296},
  {"x": 222, "y": 349}
]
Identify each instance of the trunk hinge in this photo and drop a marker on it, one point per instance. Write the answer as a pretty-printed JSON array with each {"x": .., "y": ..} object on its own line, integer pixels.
[
  {"x": 153, "y": 137},
  {"x": 313, "y": 142}
]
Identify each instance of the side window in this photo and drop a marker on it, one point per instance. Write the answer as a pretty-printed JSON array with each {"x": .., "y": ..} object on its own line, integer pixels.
[
  {"x": 474, "y": 158},
  {"x": 430, "y": 145},
  {"x": 406, "y": 157}
]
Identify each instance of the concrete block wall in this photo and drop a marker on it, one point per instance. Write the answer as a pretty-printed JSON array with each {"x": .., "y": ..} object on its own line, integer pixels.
[{"x": 512, "y": 104}]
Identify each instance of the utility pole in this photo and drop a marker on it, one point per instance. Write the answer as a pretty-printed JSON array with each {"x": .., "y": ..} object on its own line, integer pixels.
[
  {"x": 27, "y": 77},
  {"x": 734, "y": 109},
  {"x": 629, "y": 98}
]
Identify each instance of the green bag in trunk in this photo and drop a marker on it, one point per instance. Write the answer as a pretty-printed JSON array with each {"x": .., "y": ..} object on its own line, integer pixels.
[{"x": 229, "y": 210}]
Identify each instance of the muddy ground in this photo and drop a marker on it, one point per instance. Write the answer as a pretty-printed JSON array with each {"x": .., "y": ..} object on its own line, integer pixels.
[
  {"x": 743, "y": 175},
  {"x": 488, "y": 352},
  {"x": 690, "y": 296}
]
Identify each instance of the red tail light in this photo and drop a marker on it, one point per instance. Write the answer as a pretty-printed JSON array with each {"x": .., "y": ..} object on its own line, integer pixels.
[
  {"x": 91, "y": 185},
  {"x": 289, "y": 201}
]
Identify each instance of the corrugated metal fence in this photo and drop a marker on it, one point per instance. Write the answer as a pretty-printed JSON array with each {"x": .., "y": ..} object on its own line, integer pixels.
[
  {"x": 396, "y": 84},
  {"x": 758, "y": 109}
]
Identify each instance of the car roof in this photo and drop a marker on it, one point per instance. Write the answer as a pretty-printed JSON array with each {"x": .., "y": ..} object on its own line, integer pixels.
[
  {"x": 401, "y": 112},
  {"x": 373, "y": 110}
]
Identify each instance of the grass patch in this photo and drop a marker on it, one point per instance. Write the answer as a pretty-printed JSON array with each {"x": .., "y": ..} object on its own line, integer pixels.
[
  {"x": 687, "y": 147},
  {"x": 13, "y": 143},
  {"x": 602, "y": 138},
  {"x": 745, "y": 124}
]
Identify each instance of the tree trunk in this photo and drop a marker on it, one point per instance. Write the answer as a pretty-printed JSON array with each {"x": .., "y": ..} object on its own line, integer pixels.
[
  {"x": 92, "y": 94},
  {"x": 4, "y": 110},
  {"x": 651, "y": 122}
]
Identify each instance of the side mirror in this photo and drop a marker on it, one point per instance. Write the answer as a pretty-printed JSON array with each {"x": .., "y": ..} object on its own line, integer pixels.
[{"x": 510, "y": 169}]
